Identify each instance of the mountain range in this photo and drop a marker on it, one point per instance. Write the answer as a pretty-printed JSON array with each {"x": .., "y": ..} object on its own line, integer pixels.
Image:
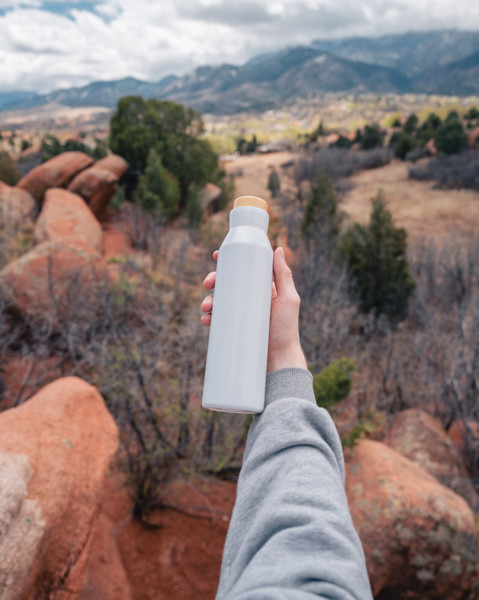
[{"x": 442, "y": 62}]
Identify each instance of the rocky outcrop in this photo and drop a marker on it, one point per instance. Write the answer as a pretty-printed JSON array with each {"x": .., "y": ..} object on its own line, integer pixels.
[
  {"x": 56, "y": 172},
  {"x": 113, "y": 163},
  {"x": 419, "y": 537},
  {"x": 56, "y": 283},
  {"x": 54, "y": 453},
  {"x": 422, "y": 439},
  {"x": 96, "y": 186},
  {"x": 17, "y": 206},
  {"x": 66, "y": 218}
]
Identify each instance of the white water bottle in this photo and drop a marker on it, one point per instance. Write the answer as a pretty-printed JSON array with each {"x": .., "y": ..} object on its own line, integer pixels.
[{"x": 235, "y": 376}]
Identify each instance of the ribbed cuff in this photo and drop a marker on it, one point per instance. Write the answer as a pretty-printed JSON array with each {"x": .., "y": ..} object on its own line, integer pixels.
[{"x": 293, "y": 382}]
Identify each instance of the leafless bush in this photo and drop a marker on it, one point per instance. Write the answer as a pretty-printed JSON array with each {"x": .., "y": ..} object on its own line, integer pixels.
[
  {"x": 339, "y": 162},
  {"x": 454, "y": 171}
]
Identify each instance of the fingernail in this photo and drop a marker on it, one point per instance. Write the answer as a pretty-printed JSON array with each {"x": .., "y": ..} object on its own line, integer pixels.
[{"x": 281, "y": 251}]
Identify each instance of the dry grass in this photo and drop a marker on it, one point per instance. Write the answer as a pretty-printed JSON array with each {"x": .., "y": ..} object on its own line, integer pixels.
[{"x": 423, "y": 211}]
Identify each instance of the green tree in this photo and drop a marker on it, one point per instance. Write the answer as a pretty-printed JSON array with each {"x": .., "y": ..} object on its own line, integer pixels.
[
  {"x": 376, "y": 258},
  {"x": 404, "y": 143},
  {"x": 411, "y": 124},
  {"x": 273, "y": 183},
  {"x": 8, "y": 170},
  {"x": 333, "y": 383},
  {"x": 139, "y": 126},
  {"x": 321, "y": 214},
  {"x": 158, "y": 190},
  {"x": 450, "y": 136},
  {"x": 371, "y": 137}
]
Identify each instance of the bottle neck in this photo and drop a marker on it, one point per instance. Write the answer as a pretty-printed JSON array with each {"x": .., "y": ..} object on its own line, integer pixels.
[{"x": 249, "y": 216}]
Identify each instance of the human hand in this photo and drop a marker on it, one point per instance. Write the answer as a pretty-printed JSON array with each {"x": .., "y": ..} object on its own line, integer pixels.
[{"x": 284, "y": 347}]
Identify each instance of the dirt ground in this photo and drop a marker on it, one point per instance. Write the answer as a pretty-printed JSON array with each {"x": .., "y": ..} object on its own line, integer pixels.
[{"x": 425, "y": 212}]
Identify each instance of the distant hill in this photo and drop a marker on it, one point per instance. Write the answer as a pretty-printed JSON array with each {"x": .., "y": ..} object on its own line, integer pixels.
[
  {"x": 411, "y": 53},
  {"x": 13, "y": 99},
  {"x": 291, "y": 73},
  {"x": 444, "y": 62},
  {"x": 99, "y": 93},
  {"x": 460, "y": 77}
]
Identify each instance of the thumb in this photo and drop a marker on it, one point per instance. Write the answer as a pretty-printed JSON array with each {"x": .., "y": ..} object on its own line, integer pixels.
[{"x": 283, "y": 277}]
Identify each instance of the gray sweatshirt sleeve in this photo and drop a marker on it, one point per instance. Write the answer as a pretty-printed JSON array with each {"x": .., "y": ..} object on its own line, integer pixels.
[{"x": 291, "y": 535}]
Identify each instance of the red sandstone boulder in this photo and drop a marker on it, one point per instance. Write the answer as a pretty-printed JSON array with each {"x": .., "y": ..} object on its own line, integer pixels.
[
  {"x": 422, "y": 439},
  {"x": 96, "y": 186},
  {"x": 16, "y": 206},
  {"x": 56, "y": 283},
  {"x": 113, "y": 163},
  {"x": 56, "y": 172},
  {"x": 54, "y": 453},
  {"x": 66, "y": 218},
  {"x": 419, "y": 537}
]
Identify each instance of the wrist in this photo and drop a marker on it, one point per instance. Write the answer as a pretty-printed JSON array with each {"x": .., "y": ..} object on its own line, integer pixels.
[{"x": 287, "y": 358}]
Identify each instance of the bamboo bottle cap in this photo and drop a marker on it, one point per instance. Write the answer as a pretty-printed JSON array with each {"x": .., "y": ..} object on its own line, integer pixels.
[{"x": 251, "y": 201}]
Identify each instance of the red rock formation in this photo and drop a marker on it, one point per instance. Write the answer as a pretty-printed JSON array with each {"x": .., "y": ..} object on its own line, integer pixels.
[
  {"x": 422, "y": 439},
  {"x": 56, "y": 283},
  {"x": 113, "y": 163},
  {"x": 56, "y": 172},
  {"x": 16, "y": 206},
  {"x": 66, "y": 218},
  {"x": 60, "y": 444},
  {"x": 419, "y": 537},
  {"x": 96, "y": 186},
  {"x": 181, "y": 559}
]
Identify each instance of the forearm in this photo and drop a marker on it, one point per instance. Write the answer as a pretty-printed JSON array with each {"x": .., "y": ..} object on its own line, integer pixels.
[{"x": 291, "y": 533}]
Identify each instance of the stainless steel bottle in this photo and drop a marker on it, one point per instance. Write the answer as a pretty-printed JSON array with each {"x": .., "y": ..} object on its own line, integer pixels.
[{"x": 235, "y": 374}]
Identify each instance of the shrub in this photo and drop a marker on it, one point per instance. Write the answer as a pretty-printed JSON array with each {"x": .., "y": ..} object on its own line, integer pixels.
[
  {"x": 451, "y": 172},
  {"x": 376, "y": 258},
  {"x": 333, "y": 383},
  {"x": 8, "y": 170}
]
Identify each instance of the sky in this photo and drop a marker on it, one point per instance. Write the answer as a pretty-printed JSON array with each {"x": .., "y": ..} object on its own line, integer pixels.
[{"x": 48, "y": 45}]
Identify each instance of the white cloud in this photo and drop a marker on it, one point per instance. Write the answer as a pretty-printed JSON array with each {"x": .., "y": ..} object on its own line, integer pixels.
[{"x": 109, "y": 39}]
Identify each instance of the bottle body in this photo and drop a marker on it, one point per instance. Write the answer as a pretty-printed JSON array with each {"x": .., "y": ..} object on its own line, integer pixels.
[{"x": 235, "y": 375}]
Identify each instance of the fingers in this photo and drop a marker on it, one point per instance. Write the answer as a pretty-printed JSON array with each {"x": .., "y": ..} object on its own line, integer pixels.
[
  {"x": 215, "y": 254},
  {"x": 283, "y": 277},
  {"x": 206, "y": 320},
  {"x": 207, "y": 304},
  {"x": 210, "y": 280}
]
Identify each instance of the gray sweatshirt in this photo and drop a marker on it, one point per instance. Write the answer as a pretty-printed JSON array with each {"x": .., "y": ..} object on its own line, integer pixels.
[{"x": 291, "y": 535}]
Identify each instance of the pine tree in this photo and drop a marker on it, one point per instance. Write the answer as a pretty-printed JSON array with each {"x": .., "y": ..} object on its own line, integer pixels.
[
  {"x": 321, "y": 214},
  {"x": 273, "y": 183},
  {"x": 158, "y": 190},
  {"x": 376, "y": 258}
]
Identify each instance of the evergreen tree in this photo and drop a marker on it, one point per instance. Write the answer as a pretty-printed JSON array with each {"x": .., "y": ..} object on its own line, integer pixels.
[
  {"x": 371, "y": 138},
  {"x": 411, "y": 124},
  {"x": 376, "y": 258},
  {"x": 450, "y": 136},
  {"x": 321, "y": 215},
  {"x": 273, "y": 183},
  {"x": 158, "y": 190}
]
